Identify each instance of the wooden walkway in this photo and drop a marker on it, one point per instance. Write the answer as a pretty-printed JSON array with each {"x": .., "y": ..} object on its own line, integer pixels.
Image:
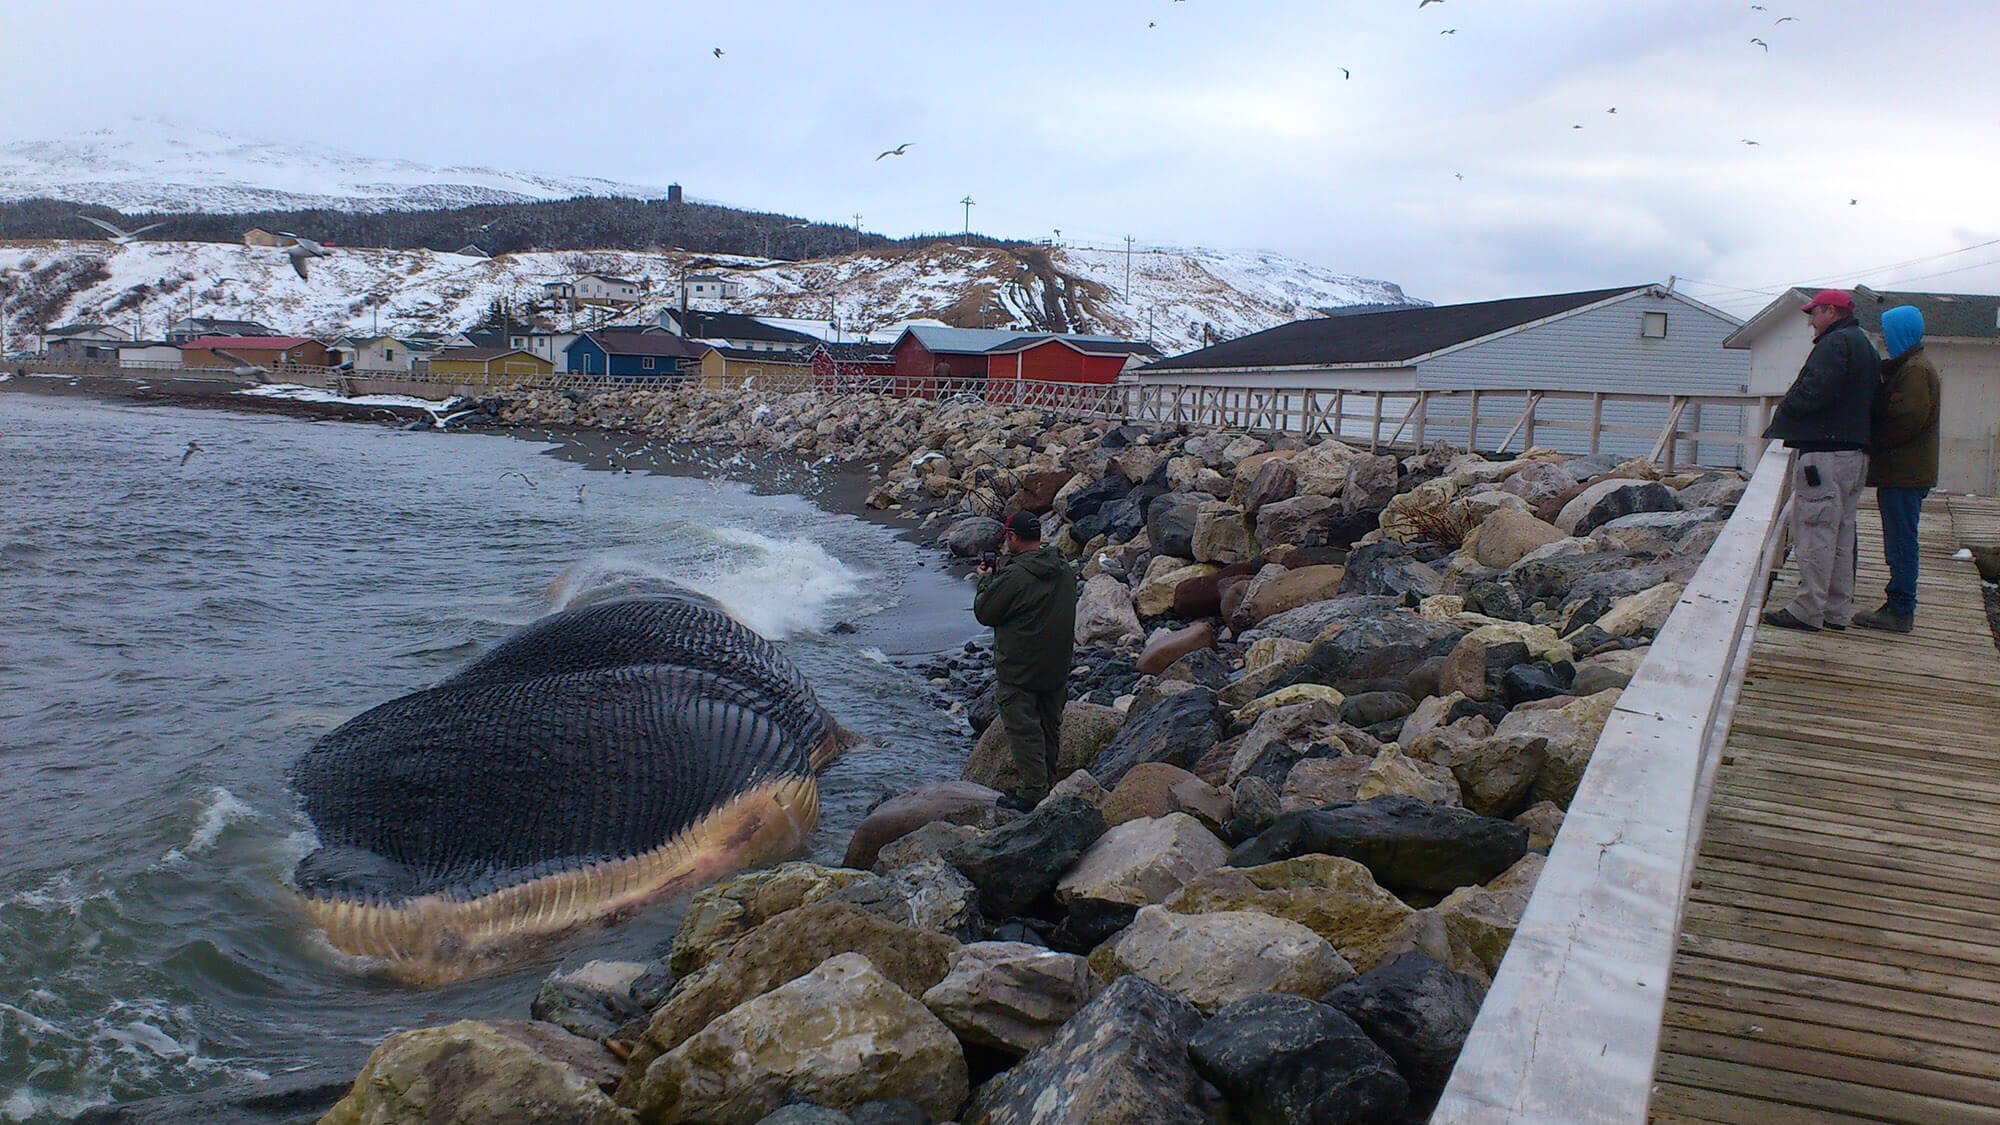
[{"x": 1840, "y": 958}]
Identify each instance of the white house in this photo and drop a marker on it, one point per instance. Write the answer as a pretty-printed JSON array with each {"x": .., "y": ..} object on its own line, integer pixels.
[
  {"x": 709, "y": 287},
  {"x": 383, "y": 355},
  {"x": 1961, "y": 337},
  {"x": 149, "y": 353},
  {"x": 552, "y": 346},
  {"x": 1636, "y": 339}
]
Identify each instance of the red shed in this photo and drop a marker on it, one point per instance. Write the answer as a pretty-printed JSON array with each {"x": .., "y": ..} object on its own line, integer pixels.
[
  {"x": 846, "y": 368},
  {"x": 925, "y": 354},
  {"x": 1065, "y": 359}
]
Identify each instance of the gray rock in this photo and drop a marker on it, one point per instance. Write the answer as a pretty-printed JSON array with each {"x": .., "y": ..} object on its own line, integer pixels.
[
  {"x": 1203, "y": 667},
  {"x": 1121, "y": 1060},
  {"x": 1371, "y": 482},
  {"x": 807, "y": 1115},
  {"x": 1288, "y": 1059},
  {"x": 1420, "y": 1011},
  {"x": 1372, "y": 708},
  {"x": 969, "y": 535},
  {"x": 593, "y": 1001},
  {"x": 1390, "y": 569},
  {"x": 1018, "y": 863},
  {"x": 1309, "y": 621},
  {"x": 1253, "y": 805},
  {"x": 1607, "y": 500},
  {"x": 1388, "y": 646},
  {"x": 1405, "y": 843},
  {"x": 1170, "y": 523},
  {"x": 1177, "y": 730}
]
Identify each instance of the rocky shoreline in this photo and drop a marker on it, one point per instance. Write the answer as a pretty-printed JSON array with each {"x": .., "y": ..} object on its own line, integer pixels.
[{"x": 1327, "y": 712}]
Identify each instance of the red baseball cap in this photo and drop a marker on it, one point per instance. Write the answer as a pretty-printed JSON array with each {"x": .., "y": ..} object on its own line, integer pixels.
[{"x": 1830, "y": 298}]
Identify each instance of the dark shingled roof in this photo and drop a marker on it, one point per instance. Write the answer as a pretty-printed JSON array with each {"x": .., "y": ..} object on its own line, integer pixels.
[
  {"x": 737, "y": 326},
  {"x": 857, "y": 353},
  {"x": 1965, "y": 315},
  {"x": 650, "y": 341},
  {"x": 1382, "y": 335}
]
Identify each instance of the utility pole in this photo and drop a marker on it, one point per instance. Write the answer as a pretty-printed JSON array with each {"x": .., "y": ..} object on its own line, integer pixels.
[
  {"x": 968, "y": 215},
  {"x": 1128, "y": 267},
  {"x": 857, "y": 232}
]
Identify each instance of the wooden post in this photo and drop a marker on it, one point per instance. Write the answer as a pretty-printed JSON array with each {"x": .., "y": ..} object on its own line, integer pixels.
[
  {"x": 1596, "y": 419},
  {"x": 1527, "y": 418},
  {"x": 1375, "y": 435},
  {"x": 1423, "y": 406},
  {"x": 1472, "y": 426}
]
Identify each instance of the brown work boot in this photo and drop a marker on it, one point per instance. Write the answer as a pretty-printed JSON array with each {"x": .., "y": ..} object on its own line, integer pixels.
[{"x": 1887, "y": 620}]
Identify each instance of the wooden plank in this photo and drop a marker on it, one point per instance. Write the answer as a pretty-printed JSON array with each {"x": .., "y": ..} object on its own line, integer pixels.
[
  {"x": 1835, "y": 1063},
  {"x": 1675, "y": 1104},
  {"x": 1820, "y": 1095},
  {"x": 1785, "y": 1000}
]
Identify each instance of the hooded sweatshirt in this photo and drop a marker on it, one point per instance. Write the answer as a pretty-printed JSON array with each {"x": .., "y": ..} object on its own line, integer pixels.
[
  {"x": 1031, "y": 605},
  {"x": 1904, "y": 452}
]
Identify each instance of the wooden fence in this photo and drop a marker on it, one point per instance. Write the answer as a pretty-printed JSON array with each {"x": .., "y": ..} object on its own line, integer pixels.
[{"x": 1668, "y": 428}]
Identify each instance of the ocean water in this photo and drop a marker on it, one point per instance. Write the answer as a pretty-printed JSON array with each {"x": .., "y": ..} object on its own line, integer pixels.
[{"x": 173, "y": 635}]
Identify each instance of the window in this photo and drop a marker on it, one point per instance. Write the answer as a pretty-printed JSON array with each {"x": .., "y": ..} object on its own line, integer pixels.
[
  {"x": 388, "y": 355},
  {"x": 646, "y": 363},
  {"x": 1653, "y": 325}
]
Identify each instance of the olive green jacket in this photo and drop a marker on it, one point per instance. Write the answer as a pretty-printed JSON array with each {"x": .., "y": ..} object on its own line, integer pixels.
[
  {"x": 1031, "y": 605},
  {"x": 1903, "y": 452}
]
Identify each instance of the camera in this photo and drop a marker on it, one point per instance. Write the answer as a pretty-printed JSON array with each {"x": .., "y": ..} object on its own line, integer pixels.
[{"x": 989, "y": 559}]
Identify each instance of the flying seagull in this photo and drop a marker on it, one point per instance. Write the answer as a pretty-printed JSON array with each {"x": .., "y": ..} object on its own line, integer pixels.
[
  {"x": 898, "y": 150},
  {"x": 192, "y": 449},
  {"x": 1786, "y": 19},
  {"x": 1346, "y": 73},
  {"x": 303, "y": 248},
  {"x": 1613, "y": 109},
  {"x": 121, "y": 237},
  {"x": 718, "y": 52},
  {"x": 1421, "y": 3},
  {"x": 518, "y": 473},
  {"x": 1748, "y": 141},
  {"x": 1449, "y": 31},
  {"x": 1852, "y": 202},
  {"x": 1761, "y": 43}
]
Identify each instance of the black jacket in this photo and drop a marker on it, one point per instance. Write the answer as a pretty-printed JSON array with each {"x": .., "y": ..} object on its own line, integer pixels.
[
  {"x": 1828, "y": 405},
  {"x": 1031, "y": 605}
]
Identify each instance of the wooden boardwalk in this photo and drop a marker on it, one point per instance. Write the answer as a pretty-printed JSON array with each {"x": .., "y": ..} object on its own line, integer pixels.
[{"x": 1840, "y": 957}]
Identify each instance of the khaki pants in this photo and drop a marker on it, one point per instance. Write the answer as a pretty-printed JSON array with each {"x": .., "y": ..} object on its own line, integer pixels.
[
  {"x": 1033, "y": 721},
  {"x": 1823, "y": 534}
]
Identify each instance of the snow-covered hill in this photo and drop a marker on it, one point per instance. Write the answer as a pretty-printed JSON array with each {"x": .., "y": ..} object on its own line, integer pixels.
[
  {"x": 1177, "y": 298},
  {"x": 162, "y": 166}
]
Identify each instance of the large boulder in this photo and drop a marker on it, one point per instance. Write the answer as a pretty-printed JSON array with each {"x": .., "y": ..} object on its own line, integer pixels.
[
  {"x": 1221, "y": 534},
  {"x": 1170, "y": 523},
  {"x": 1537, "y": 482},
  {"x": 1104, "y": 613},
  {"x": 720, "y": 914},
  {"x": 472, "y": 1071},
  {"x": 1371, "y": 483},
  {"x": 1120, "y": 519},
  {"x": 1156, "y": 593},
  {"x": 1017, "y": 864},
  {"x": 940, "y": 900},
  {"x": 1218, "y": 958},
  {"x": 1405, "y": 843},
  {"x": 1307, "y": 622},
  {"x": 1264, "y": 479},
  {"x": 1335, "y": 898},
  {"x": 1409, "y": 515},
  {"x": 593, "y": 1001},
  {"x": 840, "y": 1035},
  {"x": 1168, "y": 645},
  {"x": 1392, "y": 570},
  {"x": 1153, "y": 789},
  {"x": 969, "y": 535},
  {"x": 1285, "y": 590},
  {"x": 1483, "y": 919},
  {"x": 1322, "y": 469},
  {"x": 1609, "y": 499},
  {"x": 1299, "y": 521},
  {"x": 1078, "y": 502},
  {"x": 1177, "y": 730},
  {"x": 1570, "y": 734},
  {"x": 1121, "y": 1060},
  {"x": 1037, "y": 492},
  {"x": 1374, "y": 648},
  {"x": 784, "y": 949},
  {"x": 1419, "y": 1010},
  {"x": 956, "y": 802},
  {"x": 1504, "y": 537},
  {"x": 1141, "y": 862},
  {"x": 1290, "y": 1059},
  {"x": 1086, "y": 729},
  {"x": 1643, "y": 612},
  {"x": 1494, "y": 774},
  {"x": 1009, "y": 995}
]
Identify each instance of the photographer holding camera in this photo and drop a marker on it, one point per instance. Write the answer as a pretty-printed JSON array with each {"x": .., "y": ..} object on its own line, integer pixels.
[{"x": 1028, "y": 596}]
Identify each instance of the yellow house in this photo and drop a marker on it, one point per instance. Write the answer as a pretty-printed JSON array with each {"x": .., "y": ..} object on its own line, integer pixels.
[
  {"x": 490, "y": 365},
  {"x": 731, "y": 368}
]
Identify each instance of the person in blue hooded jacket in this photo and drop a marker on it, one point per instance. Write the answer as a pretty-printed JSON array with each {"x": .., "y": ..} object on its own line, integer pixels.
[{"x": 1902, "y": 460}]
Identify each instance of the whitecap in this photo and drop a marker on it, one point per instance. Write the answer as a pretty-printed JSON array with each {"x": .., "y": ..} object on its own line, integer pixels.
[
  {"x": 783, "y": 587},
  {"x": 221, "y": 811}
]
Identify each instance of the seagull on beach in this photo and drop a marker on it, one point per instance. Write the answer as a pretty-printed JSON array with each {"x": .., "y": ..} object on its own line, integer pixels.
[
  {"x": 301, "y": 249},
  {"x": 522, "y": 475},
  {"x": 121, "y": 237},
  {"x": 192, "y": 449},
  {"x": 579, "y": 492},
  {"x": 898, "y": 150}
]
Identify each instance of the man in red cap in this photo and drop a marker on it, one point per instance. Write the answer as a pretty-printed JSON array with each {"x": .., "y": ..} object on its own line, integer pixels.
[
  {"x": 1824, "y": 418},
  {"x": 1030, "y": 601}
]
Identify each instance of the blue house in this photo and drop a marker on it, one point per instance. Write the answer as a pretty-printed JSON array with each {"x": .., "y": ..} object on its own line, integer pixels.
[{"x": 634, "y": 353}]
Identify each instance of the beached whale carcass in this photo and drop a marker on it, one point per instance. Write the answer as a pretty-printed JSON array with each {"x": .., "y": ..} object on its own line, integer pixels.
[{"x": 600, "y": 759}]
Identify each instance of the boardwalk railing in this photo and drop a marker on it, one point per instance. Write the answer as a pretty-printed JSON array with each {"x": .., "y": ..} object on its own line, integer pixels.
[{"x": 1570, "y": 1030}]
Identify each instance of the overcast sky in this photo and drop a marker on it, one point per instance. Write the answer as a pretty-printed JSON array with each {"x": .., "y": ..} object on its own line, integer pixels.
[{"x": 1449, "y": 162}]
